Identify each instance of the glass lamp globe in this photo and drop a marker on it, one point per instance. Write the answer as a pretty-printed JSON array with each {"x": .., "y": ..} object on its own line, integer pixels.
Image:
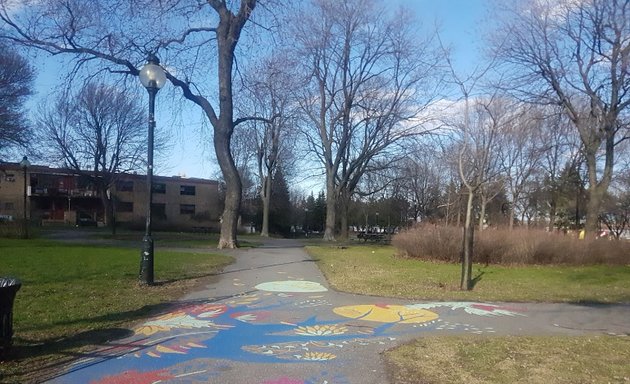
[{"x": 152, "y": 75}]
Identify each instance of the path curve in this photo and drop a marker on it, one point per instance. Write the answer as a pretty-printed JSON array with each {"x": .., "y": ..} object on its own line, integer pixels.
[{"x": 272, "y": 319}]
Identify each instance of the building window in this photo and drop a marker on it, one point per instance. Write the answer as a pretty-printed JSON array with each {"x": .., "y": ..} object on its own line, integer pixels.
[
  {"x": 10, "y": 177},
  {"x": 187, "y": 190},
  {"x": 159, "y": 211},
  {"x": 11, "y": 206},
  {"x": 124, "y": 186},
  {"x": 125, "y": 206},
  {"x": 159, "y": 188},
  {"x": 187, "y": 209}
]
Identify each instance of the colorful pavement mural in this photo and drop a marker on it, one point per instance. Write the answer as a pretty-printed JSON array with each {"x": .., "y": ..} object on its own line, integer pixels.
[{"x": 282, "y": 322}]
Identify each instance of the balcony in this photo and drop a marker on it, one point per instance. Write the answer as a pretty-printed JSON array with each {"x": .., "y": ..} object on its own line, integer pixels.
[{"x": 54, "y": 192}]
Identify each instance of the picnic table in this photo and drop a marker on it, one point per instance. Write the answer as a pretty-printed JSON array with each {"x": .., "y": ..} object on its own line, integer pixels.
[{"x": 372, "y": 236}]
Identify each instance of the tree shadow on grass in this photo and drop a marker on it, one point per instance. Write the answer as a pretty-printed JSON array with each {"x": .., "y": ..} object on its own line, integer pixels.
[
  {"x": 36, "y": 361},
  {"x": 41, "y": 359},
  {"x": 477, "y": 278}
]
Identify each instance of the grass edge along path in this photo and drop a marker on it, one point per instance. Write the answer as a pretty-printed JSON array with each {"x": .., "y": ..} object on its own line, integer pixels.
[
  {"x": 375, "y": 270},
  {"x": 511, "y": 359},
  {"x": 74, "y": 296}
]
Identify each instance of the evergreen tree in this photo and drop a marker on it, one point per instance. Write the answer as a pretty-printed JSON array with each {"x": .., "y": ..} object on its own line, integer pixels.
[
  {"x": 280, "y": 213},
  {"x": 319, "y": 212}
]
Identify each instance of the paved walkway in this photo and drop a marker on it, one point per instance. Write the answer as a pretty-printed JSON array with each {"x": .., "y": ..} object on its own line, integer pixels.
[{"x": 271, "y": 319}]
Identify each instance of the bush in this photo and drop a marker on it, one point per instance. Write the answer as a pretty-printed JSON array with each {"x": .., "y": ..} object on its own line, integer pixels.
[
  {"x": 430, "y": 243},
  {"x": 15, "y": 229},
  {"x": 501, "y": 246}
]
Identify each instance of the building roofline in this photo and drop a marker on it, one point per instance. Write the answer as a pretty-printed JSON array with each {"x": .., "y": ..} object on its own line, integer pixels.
[
  {"x": 169, "y": 178},
  {"x": 5, "y": 166}
]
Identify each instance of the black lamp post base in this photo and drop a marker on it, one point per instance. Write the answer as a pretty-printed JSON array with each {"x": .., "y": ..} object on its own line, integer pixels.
[{"x": 146, "y": 261}]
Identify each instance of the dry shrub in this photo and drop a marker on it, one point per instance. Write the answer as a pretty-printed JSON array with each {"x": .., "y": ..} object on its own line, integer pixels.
[
  {"x": 12, "y": 229},
  {"x": 430, "y": 243},
  {"x": 520, "y": 246}
]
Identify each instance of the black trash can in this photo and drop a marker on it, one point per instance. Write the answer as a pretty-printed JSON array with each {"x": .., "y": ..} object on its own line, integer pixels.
[{"x": 8, "y": 289}]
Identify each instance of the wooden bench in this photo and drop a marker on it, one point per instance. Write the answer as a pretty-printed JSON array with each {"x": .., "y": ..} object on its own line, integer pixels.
[{"x": 375, "y": 237}]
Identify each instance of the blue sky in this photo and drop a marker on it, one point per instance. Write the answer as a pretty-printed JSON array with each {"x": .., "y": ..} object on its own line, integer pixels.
[{"x": 461, "y": 26}]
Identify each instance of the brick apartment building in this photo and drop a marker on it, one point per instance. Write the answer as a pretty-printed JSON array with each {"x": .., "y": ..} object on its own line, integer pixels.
[{"x": 57, "y": 196}]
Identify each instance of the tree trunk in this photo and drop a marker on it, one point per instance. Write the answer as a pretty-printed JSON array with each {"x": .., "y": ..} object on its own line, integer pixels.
[
  {"x": 233, "y": 190},
  {"x": 448, "y": 207},
  {"x": 467, "y": 251},
  {"x": 482, "y": 213},
  {"x": 112, "y": 215},
  {"x": 343, "y": 233},
  {"x": 511, "y": 217},
  {"x": 597, "y": 189},
  {"x": 459, "y": 211},
  {"x": 266, "y": 198},
  {"x": 227, "y": 36},
  {"x": 331, "y": 205},
  {"x": 108, "y": 208},
  {"x": 593, "y": 206},
  {"x": 552, "y": 216}
]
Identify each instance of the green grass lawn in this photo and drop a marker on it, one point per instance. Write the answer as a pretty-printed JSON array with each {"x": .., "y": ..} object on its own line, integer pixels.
[
  {"x": 374, "y": 270},
  {"x": 76, "y": 295},
  {"x": 173, "y": 239},
  {"x": 511, "y": 359}
]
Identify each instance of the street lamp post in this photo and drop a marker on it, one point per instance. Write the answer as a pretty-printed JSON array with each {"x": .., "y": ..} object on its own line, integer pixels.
[
  {"x": 25, "y": 164},
  {"x": 153, "y": 78}
]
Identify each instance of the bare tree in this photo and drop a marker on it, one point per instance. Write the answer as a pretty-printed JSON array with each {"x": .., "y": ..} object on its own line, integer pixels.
[
  {"x": 16, "y": 77},
  {"x": 368, "y": 77},
  {"x": 520, "y": 155},
  {"x": 268, "y": 89},
  {"x": 478, "y": 164},
  {"x": 111, "y": 37},
  {"x": 99, "y": 133},
  {"x": 559, "y": 145},
  {"x": 575, "y": 54},
  {"x": 447, "y": 166},
  {"x": 616, "y": 207},
  {"x": 477, "y": 122},
  {"x": 420, "y": 181},
  {"x": 487, "y": 192},
  {"x": 616, "y": 214}
]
